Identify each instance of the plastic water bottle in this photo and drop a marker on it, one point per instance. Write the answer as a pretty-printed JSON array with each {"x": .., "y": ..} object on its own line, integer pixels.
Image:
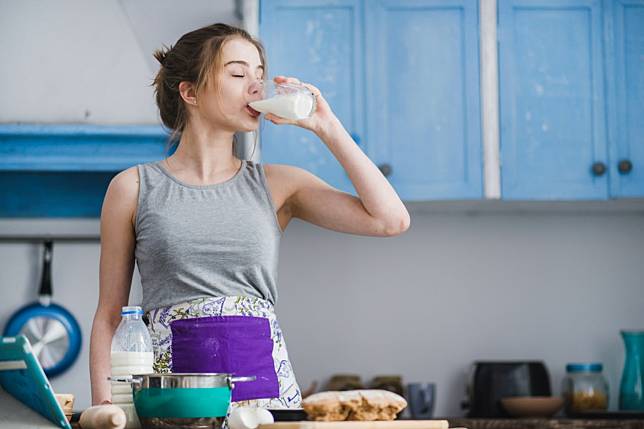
[{"x": 131, "y": 354}]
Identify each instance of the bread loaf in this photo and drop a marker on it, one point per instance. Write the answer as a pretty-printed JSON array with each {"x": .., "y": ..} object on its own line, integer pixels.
[{"x": 364, "y": 405}]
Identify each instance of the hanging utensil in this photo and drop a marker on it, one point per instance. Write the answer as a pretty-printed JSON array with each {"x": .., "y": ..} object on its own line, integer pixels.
[{"x": 53, "y": 332}]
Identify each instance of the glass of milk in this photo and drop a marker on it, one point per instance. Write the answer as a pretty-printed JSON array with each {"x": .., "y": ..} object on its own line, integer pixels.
[{"x": 287, "y": 100}]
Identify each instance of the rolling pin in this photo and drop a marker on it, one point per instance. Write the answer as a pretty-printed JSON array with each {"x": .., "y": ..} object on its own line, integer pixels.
[{"x": 102, "y": 417}]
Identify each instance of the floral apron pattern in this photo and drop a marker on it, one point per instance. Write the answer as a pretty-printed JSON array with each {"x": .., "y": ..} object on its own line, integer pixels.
[{"x": 159, "y": 325}]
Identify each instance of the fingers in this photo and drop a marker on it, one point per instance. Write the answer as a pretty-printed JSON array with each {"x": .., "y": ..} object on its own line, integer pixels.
[
  {"x": 276, "y": 119},
  {"x": 284, "y": 79},
  {"x": 312, "y": 88}
]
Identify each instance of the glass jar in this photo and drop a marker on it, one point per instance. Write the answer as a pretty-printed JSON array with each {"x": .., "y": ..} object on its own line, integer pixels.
[{"x": 584, "y": 388}]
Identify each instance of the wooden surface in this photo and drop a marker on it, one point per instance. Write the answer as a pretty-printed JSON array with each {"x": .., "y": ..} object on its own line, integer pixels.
[
  {"x": 515, "y": 424},
  {"x": 546, "y": 423},
  {"x": 397, "y": 424}
]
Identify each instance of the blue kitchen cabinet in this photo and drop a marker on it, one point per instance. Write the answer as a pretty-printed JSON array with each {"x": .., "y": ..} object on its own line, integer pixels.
[
  {"x": 64, "y": 170},
  {"x": 403, "y": 78},
  {"x": 624, "y": 29},
  {"x": 424, "y": 107},
  {"x": 318, "y": 42},
  {"x": 552, "y": 100}
]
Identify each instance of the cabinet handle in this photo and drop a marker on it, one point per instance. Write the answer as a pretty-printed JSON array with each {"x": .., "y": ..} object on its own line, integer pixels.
[
  {"x": 599, "y": 168},
  {"x": 625, "y": 166},
  {"x": 385, "y": 169}
]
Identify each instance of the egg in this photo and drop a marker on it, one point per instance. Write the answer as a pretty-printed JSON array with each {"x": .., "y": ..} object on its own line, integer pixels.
[
  {"x": 249, "y": 418},
  {"x": 264, "y": 416}
]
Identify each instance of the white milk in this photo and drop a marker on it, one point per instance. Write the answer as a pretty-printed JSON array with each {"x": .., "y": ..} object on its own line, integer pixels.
[
  {"x": 292, "y": 106},
  {"x": 125, "y": 364}
]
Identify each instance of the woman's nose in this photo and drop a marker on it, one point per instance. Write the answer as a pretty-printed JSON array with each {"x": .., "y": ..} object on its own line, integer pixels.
[{"x": 256, "y": 87}]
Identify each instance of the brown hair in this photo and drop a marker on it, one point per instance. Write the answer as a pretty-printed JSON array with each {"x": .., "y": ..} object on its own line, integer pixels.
[{"x": 196, "y": 57}]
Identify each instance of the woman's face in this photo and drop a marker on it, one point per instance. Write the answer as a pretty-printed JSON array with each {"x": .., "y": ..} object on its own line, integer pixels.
[{"x": 238, "y": 83}]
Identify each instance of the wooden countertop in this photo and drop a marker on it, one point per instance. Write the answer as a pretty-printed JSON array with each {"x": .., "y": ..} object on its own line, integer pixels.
[
  {"x": 546, "y": 423},
  {"x": 536, "y": 423}
]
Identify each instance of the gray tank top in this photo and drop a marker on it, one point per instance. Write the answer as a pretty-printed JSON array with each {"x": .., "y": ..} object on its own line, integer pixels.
[{"x": 205, "y": 241}]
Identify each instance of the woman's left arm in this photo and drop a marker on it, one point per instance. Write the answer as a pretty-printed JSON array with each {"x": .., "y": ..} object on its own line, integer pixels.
[{"x": 378, "y": 211}]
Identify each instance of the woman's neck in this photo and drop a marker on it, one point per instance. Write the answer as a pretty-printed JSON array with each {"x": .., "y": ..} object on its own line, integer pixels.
[{"x": 204, "y": 157}]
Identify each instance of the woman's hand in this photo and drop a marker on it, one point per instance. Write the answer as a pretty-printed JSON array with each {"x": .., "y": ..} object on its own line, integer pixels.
[{"x": 323, "y": 117}]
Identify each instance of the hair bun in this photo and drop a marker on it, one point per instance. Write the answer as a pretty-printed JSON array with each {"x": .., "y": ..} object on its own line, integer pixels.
[{"x": 161, "y": 55}]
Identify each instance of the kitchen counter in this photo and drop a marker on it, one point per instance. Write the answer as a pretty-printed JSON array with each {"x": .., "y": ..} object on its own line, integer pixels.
[
  {"x": 546, "y": 423},
  {"x": 536, "y": 424}
]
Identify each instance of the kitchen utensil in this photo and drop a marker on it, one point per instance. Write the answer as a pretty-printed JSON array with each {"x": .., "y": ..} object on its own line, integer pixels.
[
  {"x": 631, "y": 393},
  {"x": 421, "y": 399},
  {"x": 23, "y": 378},
  {"x": 532, "y": 406},
  {"x": 53, "y": 332},
  {"x": 103, "y": 417},
  {"x": 490, "y": 381},
  {"x": 395, "y": 424},
  {"x": 181, "y": 400}
]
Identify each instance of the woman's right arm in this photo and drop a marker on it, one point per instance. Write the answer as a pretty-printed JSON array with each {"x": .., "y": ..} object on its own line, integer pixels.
[{"x": 115, "y": 275}]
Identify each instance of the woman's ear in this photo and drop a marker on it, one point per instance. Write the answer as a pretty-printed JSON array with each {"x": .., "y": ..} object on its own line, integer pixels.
[{"x": 187, "y": 91}]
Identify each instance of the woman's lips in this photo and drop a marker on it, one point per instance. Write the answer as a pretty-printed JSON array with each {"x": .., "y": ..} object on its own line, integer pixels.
[{"x": 252, "y": 112}]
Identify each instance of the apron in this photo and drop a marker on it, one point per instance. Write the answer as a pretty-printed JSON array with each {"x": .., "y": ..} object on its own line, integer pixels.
[{"x": 231, "y": 334}]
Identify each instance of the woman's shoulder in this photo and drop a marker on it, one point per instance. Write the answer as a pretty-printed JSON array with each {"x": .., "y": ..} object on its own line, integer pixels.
[
  {"x": 289, "y": 175},
  {"x": 285, "y": 180},
  {"x": 283, "y": 171},
  {"x": 129, "y": 180},
  {"x": 126, "y": 182},
  {"x": 122, "y": 192}
]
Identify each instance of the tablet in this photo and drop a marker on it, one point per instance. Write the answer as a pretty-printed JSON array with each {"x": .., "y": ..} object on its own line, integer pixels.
[{"x": 23, "y": 378}]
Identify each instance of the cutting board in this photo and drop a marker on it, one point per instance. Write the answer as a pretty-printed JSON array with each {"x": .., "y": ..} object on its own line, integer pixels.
[{"x": 395, "y": 424}]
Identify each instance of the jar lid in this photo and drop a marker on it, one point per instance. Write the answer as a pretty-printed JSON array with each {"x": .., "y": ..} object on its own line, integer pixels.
[{"x": 584, "y": 367}]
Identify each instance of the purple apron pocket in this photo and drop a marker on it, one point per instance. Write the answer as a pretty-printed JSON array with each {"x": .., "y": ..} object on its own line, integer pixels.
[{"x": 238, "y": 345}]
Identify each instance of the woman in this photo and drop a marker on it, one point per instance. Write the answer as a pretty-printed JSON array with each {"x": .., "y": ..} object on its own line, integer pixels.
[{"x": 204, "y": 227}]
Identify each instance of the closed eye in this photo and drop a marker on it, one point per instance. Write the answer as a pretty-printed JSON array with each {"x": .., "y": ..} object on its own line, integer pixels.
[{"x": 238, "y": 75}]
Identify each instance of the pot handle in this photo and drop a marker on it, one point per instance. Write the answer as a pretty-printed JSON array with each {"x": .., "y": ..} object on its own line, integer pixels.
[
  {"x": 128, "y": 379},
  {"x": 233, "y": 380}
]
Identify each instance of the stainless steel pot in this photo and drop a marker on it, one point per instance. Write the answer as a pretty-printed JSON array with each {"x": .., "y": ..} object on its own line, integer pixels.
[{"x": 182, "y": 400}]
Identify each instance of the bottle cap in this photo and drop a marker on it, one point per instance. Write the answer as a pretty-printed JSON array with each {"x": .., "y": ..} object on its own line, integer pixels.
[
  {"x": 131, "y": 309},
  {"x": 584, "y": 367}
]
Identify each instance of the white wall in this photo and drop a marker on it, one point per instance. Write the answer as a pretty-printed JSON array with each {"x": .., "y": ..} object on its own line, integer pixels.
[
  {"x": 91, "y": 62},
  {"x": 456, "y": 287}
]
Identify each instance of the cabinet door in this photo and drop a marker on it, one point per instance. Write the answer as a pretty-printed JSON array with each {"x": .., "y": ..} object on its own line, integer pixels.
[
  {"x": 552, "y": 99},
  {"x": 625, "y": 67},
  {"x": 423, "y": 110},
  {"x": 317, "y": 42}
]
